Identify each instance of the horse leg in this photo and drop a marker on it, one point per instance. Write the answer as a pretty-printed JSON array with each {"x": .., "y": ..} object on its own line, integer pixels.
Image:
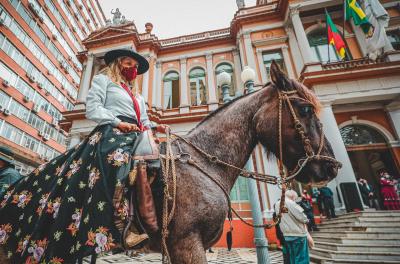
[{"x": 189, "y": 250}]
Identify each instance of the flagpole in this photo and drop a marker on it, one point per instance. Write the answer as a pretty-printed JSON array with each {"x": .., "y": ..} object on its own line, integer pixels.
[
  {"x": 347, "y": 55},
  {"x": 327, "y": 35}
]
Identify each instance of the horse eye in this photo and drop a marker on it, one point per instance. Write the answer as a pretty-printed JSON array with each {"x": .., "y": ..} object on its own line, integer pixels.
[{"x": 306, "y": 110}]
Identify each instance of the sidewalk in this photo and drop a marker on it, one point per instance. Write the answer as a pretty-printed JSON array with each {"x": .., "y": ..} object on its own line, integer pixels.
[{"x": 220, "y": 256}]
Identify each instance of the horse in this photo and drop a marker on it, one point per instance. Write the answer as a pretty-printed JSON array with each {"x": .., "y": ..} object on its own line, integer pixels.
[{"x": 230, "y": 133}]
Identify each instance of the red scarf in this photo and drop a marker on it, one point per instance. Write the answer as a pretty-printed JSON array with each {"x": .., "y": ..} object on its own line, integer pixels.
[{"x": 135, "y": 105}]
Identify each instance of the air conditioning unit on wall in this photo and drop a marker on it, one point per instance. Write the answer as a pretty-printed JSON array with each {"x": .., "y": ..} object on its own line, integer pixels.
[
  {"x": 6, "y": 112},
  {"x": 54, "y": 123},
  {"x": 6, "y": 83},
  {"x": 36, "y": 108},
  {"x": 31, "y": 77},
  {"x": 46, "y": 137},
  {"x": 26, "y": 99}
]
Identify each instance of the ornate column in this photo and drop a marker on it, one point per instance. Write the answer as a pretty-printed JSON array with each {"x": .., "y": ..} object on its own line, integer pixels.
[
  {"x": 85, "y": 82},
  {"x": 154, "y": 86},
  {"x": 294, "y": 49},
  {"x": 145, "y": 84},
  {"x": 237, "y": 71},
  {"x": 212, "y": 95},
  {"x": 288, "y": 61},
  {"x": 264, "y": 77},
  {"x": 332, "y": 133},
  {"x": 394, "y": 112},
  {"x": 157, "y": 86},
  {"x": 300, "y": 34},
  {"x": 184, "y": 104},
  {"x": 249, "y": 53}
]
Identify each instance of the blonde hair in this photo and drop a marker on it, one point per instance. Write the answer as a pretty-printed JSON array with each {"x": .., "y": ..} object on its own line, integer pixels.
[{"x": 113, "y": 71}]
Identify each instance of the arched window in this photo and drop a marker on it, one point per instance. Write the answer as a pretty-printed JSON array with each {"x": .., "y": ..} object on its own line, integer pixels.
[
  {"x": 394, "y": 38},
  {"x": 225, "y": 67},
  {"x": 319, "y": 45},
  {"x": 360, "y": 135},
  {"x": 171, "y": 90},
  {"x": 198, "y": 90}
]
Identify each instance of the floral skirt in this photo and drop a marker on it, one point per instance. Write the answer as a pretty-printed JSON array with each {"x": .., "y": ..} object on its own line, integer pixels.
[{"x": 67, "y": 208}]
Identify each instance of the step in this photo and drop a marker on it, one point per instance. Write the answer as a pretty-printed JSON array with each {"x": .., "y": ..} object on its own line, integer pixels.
[
  {"x": 372, "y": 241},
  {"x": 354, "y": 255},
  {"x": 364, "y": 248},
  {"x": 321, "y": 260},
  {"x": 360, "y": 228},
  {"x": 384, "y": 223},
  {"x": 362, "y": 219},
  {"x": 370, "y": 214},
  {"x": 358, "y": 234}
]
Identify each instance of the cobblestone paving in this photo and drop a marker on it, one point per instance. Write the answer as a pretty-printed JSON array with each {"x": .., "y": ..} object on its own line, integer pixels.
[{"x": 220, "y": 256}]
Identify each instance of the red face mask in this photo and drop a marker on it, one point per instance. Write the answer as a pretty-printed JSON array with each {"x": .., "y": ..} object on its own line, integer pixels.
[{"x": 129, "y": 73}]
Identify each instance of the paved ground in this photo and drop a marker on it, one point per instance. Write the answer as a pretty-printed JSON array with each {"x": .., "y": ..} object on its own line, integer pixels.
[{"x": 220, "y": 256}]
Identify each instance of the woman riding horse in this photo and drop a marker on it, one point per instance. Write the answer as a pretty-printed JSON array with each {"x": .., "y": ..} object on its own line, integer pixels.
[{"x": 68, "y": 208}]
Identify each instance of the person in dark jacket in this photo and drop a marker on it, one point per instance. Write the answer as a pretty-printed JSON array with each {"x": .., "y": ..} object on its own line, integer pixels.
[
  {"x": 308, "y": 211},
  {"x": 327, "y": 199},
  {"x": 8, "y": 173}
]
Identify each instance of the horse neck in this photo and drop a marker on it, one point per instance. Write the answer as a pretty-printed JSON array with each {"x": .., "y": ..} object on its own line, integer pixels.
[{"x": 229, "y": 134}]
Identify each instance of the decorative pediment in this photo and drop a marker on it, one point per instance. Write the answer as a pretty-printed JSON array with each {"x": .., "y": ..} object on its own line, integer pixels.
[{"x": 110, "y": 32}]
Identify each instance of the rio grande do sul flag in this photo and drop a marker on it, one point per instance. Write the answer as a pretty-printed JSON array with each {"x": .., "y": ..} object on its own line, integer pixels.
[{"x": 334, "y": 37}]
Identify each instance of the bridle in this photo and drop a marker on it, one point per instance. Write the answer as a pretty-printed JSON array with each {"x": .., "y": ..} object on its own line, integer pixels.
[{"x": 310, "y": 154}]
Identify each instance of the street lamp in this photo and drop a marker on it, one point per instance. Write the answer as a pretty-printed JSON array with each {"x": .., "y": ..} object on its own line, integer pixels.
[
  {"x": 224, "y": 81},
  {"x": 248, "y": 76}
]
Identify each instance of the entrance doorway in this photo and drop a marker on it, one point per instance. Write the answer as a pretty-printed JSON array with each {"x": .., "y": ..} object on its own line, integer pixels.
[{"x": 369, "y": 154}]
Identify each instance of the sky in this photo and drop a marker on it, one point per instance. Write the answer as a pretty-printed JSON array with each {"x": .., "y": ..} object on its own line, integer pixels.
[{"x": 173, "y": 18}]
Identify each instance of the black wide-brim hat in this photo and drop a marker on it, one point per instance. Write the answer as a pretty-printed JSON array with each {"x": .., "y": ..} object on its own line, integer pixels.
[
  {"x": 6, "y": 155},
  {"x": 112, "y": 55}
]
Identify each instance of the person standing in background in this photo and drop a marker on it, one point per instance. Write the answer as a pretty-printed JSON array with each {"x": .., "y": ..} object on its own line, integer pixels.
[
  {"x": 327, "y": 198},
  {"x": 390, "y": 198},
  {"x": 293, "y": 226},
  {"x": 306, "y": 204}
]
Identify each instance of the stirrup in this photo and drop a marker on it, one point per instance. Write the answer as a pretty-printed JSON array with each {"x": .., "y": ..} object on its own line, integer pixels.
[{"x": 133, "y": 239}]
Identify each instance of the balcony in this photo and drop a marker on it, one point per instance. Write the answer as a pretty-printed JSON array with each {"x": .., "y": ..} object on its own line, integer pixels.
[
  {"x": 358, "y": 80},
  {"x": 209, "y": 35}
]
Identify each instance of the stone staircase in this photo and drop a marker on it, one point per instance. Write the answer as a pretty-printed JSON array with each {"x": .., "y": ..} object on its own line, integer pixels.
[{"x": 370, "y": 237}]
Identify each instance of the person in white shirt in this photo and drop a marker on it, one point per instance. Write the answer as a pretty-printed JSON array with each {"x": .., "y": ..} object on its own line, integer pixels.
[{"x": 294, "y": 229}]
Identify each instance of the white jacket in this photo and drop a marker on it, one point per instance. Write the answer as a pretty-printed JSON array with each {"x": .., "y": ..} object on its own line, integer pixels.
[{"x": 293, "y": 222}]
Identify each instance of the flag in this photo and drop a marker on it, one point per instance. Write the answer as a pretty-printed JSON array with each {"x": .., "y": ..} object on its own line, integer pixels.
[
  {"x": 353, "y": 10},
  {"x": 334, "y": 37},
  {"x": 377, "y": 41}
]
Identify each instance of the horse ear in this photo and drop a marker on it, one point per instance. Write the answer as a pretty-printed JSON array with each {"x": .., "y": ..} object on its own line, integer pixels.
[{"x": 278, "y": 77}]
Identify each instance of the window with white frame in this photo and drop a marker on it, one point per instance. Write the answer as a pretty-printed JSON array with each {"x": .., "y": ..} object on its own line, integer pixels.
[
  {"x": 171, "y": 90},
  {"x": 225, "y": 67},
  {"x": 269, "y": 56},
  {"x": 198, "y": 90},
  {"x": 321, "y": 50},
  {"x": 240, "y": 191}
]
